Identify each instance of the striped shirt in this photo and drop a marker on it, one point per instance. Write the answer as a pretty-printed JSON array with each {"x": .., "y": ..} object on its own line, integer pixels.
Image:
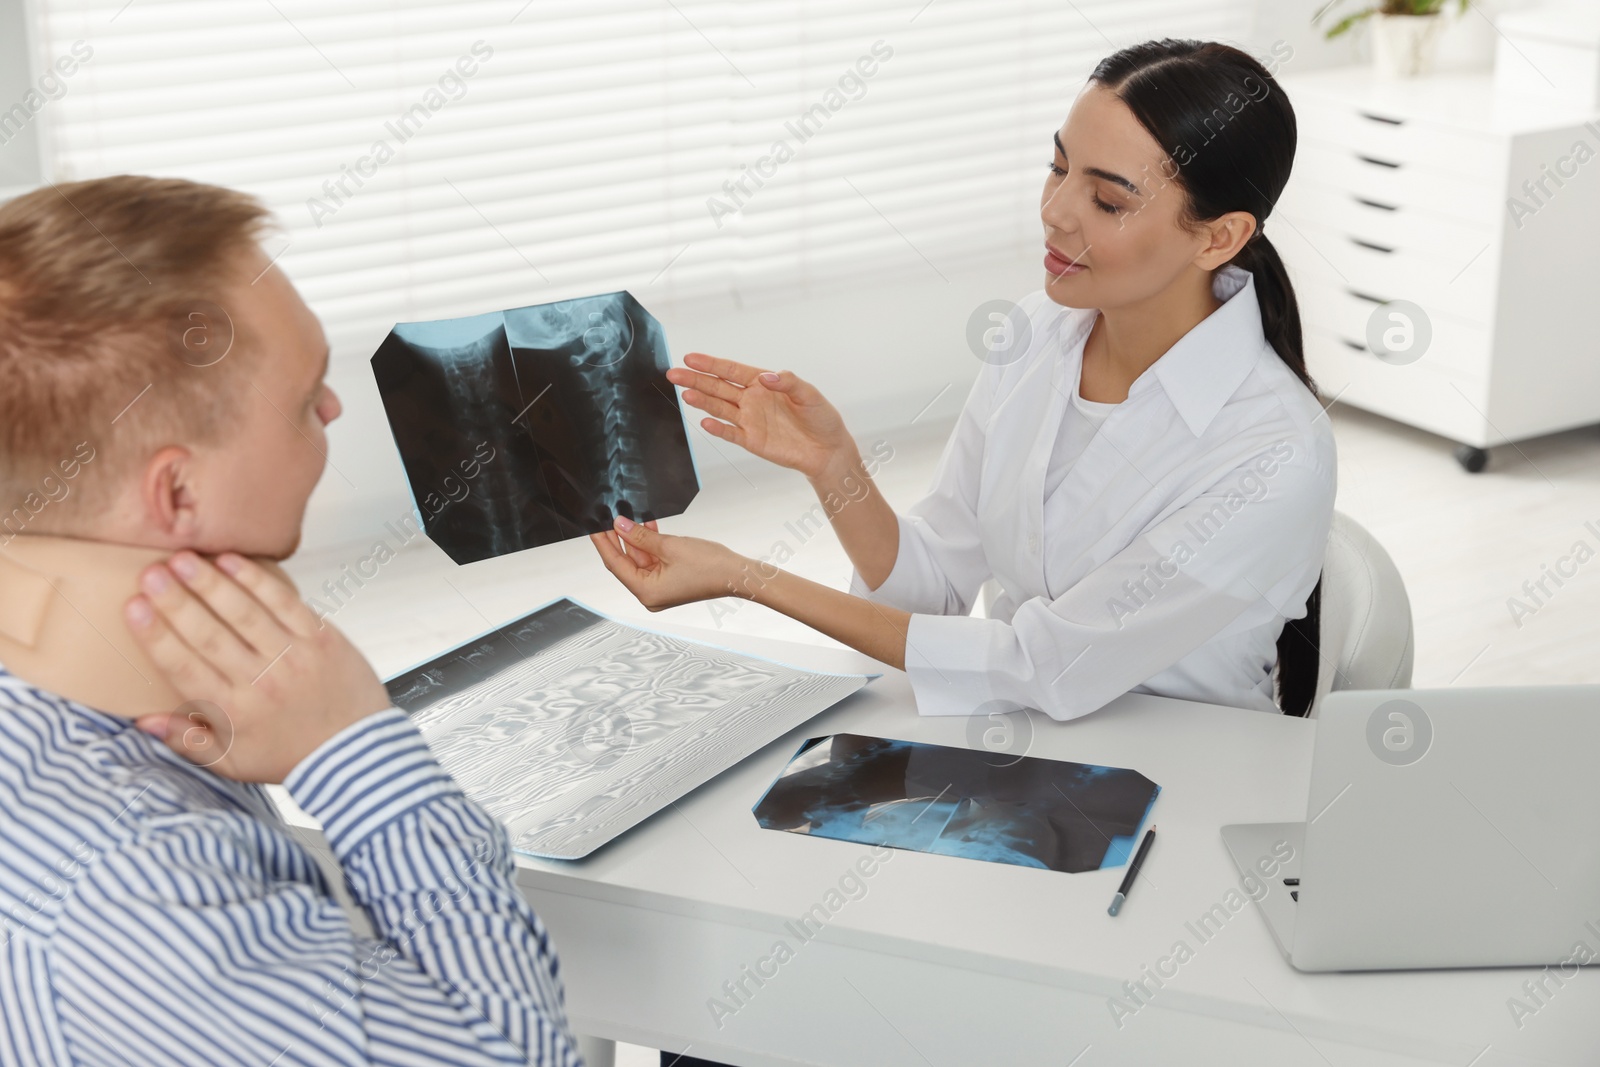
[{"x": 153, "y": 912}]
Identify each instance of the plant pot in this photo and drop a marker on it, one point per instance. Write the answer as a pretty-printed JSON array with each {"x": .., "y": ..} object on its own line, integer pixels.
[{"x": 1404, "y": 46}]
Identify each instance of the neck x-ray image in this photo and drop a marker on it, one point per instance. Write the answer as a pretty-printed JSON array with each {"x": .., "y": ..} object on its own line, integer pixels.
[{"x": 526, "y": 427}]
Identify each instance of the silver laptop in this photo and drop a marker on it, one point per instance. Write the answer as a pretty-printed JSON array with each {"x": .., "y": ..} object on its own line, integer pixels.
[{"x": 1445, "y": 828}]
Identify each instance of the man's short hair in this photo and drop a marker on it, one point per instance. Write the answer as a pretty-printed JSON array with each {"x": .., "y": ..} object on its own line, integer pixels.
[{"x": 100, "y": 285}]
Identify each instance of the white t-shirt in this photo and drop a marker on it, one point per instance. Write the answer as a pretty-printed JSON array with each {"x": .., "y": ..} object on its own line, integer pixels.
[{"x": 1078, "y": 427}]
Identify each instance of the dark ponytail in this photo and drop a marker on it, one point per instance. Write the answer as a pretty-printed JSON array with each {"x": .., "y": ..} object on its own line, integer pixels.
[
  {"x": 1280, "y": 312},
  {"x": 1230, "y": 134}
]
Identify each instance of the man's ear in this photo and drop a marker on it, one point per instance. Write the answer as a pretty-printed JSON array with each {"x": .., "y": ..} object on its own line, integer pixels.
[
  {"x": 1228, "y": 233},
  {"x": 168, "y": 496}
]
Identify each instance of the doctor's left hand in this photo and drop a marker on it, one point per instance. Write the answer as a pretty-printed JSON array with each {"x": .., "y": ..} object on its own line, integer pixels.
[{"x": 666, "y": 570}]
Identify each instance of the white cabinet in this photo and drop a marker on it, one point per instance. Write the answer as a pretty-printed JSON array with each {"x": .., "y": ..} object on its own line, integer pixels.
[{"x": 1484, "y": 212}]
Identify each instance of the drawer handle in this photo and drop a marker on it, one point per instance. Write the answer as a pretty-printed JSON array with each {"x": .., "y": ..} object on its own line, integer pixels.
[
  {"x": 1353, "y": 345},
  {"x": 1376, "y": 162},
  {"x": 1368, "y": 297},
  {"x": 1386, "y": 120},
  {"x": 1385, "y": 249},
  {"x": 1379, "y": 204}
]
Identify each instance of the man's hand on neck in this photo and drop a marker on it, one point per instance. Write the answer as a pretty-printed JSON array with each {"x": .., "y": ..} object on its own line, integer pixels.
[{"x": 273, "y": 684}]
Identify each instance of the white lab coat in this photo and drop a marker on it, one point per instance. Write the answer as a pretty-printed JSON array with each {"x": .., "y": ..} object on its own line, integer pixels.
[{"x": 1199, "y": 517}]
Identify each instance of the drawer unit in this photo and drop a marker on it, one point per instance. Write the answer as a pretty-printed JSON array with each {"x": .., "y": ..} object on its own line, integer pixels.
[
  {"x": 1415, "y": 395},
  {"x": 1384, "y": 267},
  {"x": 1380, "y": 133},
  {"x": 1392, "y": 183},
  {"x": 1456, "y": 347},
  {"x": 1388, "y": 223},
  {"x": 1403, "y": 191}
]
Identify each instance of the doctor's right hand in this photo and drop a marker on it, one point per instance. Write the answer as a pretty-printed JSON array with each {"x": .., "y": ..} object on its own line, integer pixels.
[{"x": 775, "y": 415}]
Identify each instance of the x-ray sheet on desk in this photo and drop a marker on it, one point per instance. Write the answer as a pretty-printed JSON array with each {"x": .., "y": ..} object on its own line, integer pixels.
[
  {"x": 526, "y": 427},
  {"x": 571, "y": 727},
  {"x": 1028, "y": 811}
]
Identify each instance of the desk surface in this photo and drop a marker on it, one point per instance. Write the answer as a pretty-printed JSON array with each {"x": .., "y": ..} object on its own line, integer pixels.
[{"x": 704, "y": 858}]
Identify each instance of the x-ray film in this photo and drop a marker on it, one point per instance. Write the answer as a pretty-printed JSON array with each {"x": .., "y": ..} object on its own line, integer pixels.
[
  {"x": 526, "y": 427},
  {"x": 1028, "y": 811},
  {"x": 571, "y": 727}
]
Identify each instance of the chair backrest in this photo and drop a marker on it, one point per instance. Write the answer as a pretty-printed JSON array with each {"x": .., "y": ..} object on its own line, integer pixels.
[{"x": 1366, "y": 638}]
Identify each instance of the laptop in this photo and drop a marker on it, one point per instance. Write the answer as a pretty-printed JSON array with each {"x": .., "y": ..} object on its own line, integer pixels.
[{"x": 1444, "y": 828}]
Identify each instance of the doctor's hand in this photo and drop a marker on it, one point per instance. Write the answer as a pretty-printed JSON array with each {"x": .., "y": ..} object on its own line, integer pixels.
[
  {"x": 783, "y": 418},
  {"x": 666, "y": 570},
  {"x": 265, "y": 681}
]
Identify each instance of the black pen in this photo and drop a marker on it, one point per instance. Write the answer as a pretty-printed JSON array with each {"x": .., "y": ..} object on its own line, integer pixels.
[{"x": 1133, "y": 871}]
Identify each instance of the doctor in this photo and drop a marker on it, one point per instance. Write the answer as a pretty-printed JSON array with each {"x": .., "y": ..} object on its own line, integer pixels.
[{"x": 1149, "y": 477}]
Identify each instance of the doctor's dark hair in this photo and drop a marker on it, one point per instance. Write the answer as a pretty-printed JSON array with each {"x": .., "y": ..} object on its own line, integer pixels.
[{"x": 1230, "y": 134}]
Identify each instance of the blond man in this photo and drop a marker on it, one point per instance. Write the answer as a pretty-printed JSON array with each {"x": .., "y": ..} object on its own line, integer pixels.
[{"x": 161, "y": 428}]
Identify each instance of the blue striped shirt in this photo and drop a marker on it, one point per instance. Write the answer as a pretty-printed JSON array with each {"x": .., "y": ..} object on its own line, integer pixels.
[{"x": 153, "y": 912}]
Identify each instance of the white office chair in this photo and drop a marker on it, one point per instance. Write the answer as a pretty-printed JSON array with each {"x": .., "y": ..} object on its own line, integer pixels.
[
  {"x": 1366, "y": 636},
  {"x": 1366, "y": 639}
]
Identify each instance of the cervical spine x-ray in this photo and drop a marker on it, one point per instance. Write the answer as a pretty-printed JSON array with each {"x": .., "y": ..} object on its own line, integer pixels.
[{"x": 569, "y": 402}]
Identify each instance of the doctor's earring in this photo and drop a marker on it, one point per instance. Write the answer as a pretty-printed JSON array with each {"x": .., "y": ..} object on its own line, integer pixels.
[{"x": 998, "y": 332}]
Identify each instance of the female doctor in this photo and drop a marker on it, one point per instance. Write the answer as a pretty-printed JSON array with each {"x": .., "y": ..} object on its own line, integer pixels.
[{"x": 1149, "y": 480}]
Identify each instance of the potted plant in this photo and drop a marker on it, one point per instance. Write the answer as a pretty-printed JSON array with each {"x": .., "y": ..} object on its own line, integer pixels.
[{"x": 1405, "y": 32}]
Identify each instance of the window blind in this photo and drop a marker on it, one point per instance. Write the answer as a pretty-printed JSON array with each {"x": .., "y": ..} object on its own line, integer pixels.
[{"x": 441, "y": 158}]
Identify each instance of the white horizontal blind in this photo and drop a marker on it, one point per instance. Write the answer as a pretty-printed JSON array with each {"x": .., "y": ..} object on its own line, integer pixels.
[
  {"x": 589, "y": 147},
  {"x": 942, "y": 158}
]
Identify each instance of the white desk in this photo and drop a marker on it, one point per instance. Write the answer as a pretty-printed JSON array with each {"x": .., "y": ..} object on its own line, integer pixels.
[{"x": 947, "y": 961}]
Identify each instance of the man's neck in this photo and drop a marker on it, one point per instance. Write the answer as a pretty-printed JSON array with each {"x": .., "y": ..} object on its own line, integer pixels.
[{"x": 61, "y": 622}]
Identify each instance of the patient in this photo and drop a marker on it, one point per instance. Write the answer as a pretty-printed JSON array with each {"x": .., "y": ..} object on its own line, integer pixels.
[{"x": 161, "y": 428}]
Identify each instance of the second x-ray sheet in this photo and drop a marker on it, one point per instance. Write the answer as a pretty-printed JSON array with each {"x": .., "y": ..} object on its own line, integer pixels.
[
  {"x": 1030, "y": 811},
  {"x": 526, "y": 427},
  {"x": 571, "y": 727}
]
